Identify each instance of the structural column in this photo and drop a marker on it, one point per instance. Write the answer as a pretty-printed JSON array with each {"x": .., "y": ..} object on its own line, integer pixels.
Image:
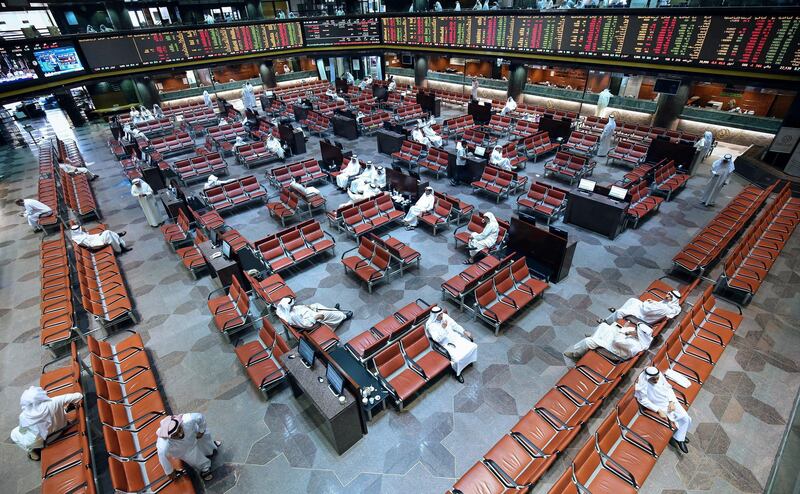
[
  {"x": 517, "y": 78},
  {"x": 670, "y": 106},
  {"x": 267, "y": 72},
  {"x": 67, "y": 103},
  {"x": 420, "y": 70},
  {"x": 147, "y": 91},
  {"x": 120, "y": 19}
]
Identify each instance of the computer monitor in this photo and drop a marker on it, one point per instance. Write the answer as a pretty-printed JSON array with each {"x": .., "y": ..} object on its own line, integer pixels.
[
  {"x": 618, "y": 192},
  {"x": 226, "y": 249},
  {"x": 587, "y": 185},
  {"x": 480, "y": 150},
  {"x": 306, "y": 353},
  {"x": 335, "y": 380}
]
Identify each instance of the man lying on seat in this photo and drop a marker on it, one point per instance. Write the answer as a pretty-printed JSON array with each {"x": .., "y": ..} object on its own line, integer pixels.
[
  {"x": 307, "y": 316},
  {"x": 655, "y": 393},
  {"x": 42, "y": 417},
  {"x": 649, "y": 311},
  {"x": 455, "y": 339},
  {"x": 70, "y": 169},
  {"x": 623, "y": 341},
  {"x": 99, "y": 240}
]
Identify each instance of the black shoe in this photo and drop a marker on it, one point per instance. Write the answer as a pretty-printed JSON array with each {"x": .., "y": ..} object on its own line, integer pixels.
[
  {"x": 460, "y": 379},
  {"x": 611, "y": 309},
  {"x": 122, "y": 233},
  {"x": 599, "y": 321},
  {"x": 336, "y": 306},
  {"x": 348, "y": 314},
  {"x": 683, "y": 448},
  {"x": 469, "y": 261},
  {"x": 126, "y": 249}
]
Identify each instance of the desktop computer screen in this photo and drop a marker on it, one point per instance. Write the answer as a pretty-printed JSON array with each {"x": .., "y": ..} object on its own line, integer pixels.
[
  {"x": 306, "y": 353},
  {"x": 335, "y": 380}
]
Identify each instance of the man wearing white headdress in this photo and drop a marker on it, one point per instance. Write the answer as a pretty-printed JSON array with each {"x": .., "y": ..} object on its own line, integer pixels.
[
  {"x": 720, "y": 175},
  {"x": 352, "y": 169},
  {"x": 41, "y": 417},
  {"x": 484, "y": 239},
  {"x": 457, "y": 8},
  {"x": 602, "y": 102},
  {"x": 207, "y": 99},
  {"x": 142, "y": 191},
  {"x": 186, "y": 437},
  {"x": 510, "y": 106},
  {"x": 623, "y": 341},
  {"x": 474, "y": 89},
  {"x": 433, "y": 138},
  {"x": 368, "y": 175},
  {"x": 145, "y": 113},
  {"x": 418, "y": 136},
  {"x": 442, "y": 329},
  {"x": 135, "y": 115},
  {"x": 157, "y": 111},
  {"x": 214, "y": 181},
  {"x": 361, "y": 188},
  {"x": 649, "y": 311},
  {"x": 348, "y": 77},
  {"x": 497, "y": 159},
  {"x": 392, "y": 84},
  {"x": 379, "y": 179},
  {"x": 70, "y": 169},
  {"x": 606, "y": 136},
  {"x": 275, "y": 147},
  {"x": 655, "y": 393},
  {"x": 99, "y": 240},
  {"x": 422, "y": 206},
  {"x": 366, "y": 82},
  {"x": 33, "y": 210},
  {"x": 306, "y": 316}
]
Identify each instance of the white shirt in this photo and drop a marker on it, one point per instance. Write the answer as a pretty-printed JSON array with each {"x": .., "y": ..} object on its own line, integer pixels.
[
  {"x": 35, "y": 208},
  {"x": 656, "y": 396},
  {"x": 193, "y": 424}
]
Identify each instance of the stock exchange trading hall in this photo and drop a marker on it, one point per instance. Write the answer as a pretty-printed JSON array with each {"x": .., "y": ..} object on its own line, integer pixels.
[{"x": 390, "y": 247}]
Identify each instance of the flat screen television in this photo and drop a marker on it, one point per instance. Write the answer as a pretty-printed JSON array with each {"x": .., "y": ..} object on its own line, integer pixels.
[
  {"x": 57, "y": 61},
  {"x": 335, "y": 380},
  {"x": 306, "y": 353},
  {"x": 666, "y": 86}
]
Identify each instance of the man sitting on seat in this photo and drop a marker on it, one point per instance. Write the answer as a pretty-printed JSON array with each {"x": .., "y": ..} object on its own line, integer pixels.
[
  {"x": 623, "y": 341},
  {"x": 649, "y": 311},
  {"x": 497, "y": 159},
  {"x": 42, "y": 417},
  {"x": 484, "y": 239},
  {"x": 352, "y": 169},
  {"x": 509, "y": 107},
  {"x": 33, "y": 211},
  {"x": 275, "y": 147},
  {"x": 186, "y": 437},
  {"x": 423, "y": 205},
  {"x": 99, "y": 240},
  {"x": 455, "y": 339},
  {"x": 433, "y": 138},
  {"x": 69, "y": 169},
  {"x": 655, "y": 393},
  {"x": 308, "y": 316}
]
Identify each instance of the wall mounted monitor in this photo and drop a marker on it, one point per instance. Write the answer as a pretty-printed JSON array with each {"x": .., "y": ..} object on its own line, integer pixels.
[
  {"x": 342, "y": 31},
  {"x": 58, "y": 60},
  {"x": 15, "y": 65},
  {"x": 667, "y": 86},
  {"x": 110, "y": 52}
]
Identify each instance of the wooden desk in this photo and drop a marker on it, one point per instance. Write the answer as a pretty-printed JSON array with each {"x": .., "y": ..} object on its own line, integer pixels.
[
  {"x": 344, "y": 127},
  {"x": 220, "y": 268},
  {"x": 389, "y": 142},
  {"x": 341, "y": 422},
  {"x": 596, "y": 212}
]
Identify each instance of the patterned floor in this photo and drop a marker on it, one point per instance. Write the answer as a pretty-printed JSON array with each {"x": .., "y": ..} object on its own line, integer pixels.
[{"x": 274, "y": 446}]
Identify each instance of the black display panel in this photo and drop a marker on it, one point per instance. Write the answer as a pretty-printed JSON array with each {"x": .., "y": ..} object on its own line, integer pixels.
[
  {"x": 113, "y": 52},
  {"x": 16, "y": 65},
  {"x": 189, "y": 44},
  {"x": 342, "y": 31},
  {"x": 754, "y": 43}
]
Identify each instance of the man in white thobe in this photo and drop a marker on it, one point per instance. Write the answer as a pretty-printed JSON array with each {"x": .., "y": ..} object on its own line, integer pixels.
[
  {"x": 392, "y": 84},
  {"x": 134, "y": 115},
  {"x": 157, "y": 111},
  {"x": 275, "y": 147},
  {"x": 433, "y": 138},
  {"x": 348, "y": 77},
  {"x": 484, "y": 239},
  {"x": 623, "y": 341},
  {"x": 379, "y": 179},
  {"x": 418, "y": 136},
  {"x": 41, "y": 417},
  {"x": 145, "y": 113},
  {"x": 511, "y": 105},
  {"x": 442, "y": 329},
  {"x": 720, "y": 175},
  {"x": 655, "y": 393},
  {"x": 307, "y": 316},
  {"x": 368, "y": 175},
  {"x": 437, "y": 7},
  {"x": 497, "y": 159},
  {"x": 71, "y": 169},
  {"x": 360, "y": 189},
  {"x": 602, "y": 102},
  {"x": 474, "y": 90},
  {"x": 99, "y": 240},
  {"x": 604, "y": 144},
  {"x": 366, "y": 82},
  {"x": 33, "y": 211},
  {"x": 457, "y": 8},
  {"x": 352, "y": 169},
  {"x": 142, "y": 191},
  {"x": 422, "y": 206},
  {"x": 186, "y": 437},
  {"x": 649, "y": 311},
  {"x": 207, "y": 99},
  {"x": 214, "y": 181}
]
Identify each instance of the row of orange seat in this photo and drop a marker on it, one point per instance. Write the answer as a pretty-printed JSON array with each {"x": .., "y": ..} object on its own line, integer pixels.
[
  {"x": 130, "y": 406},
  {"x": 523, "y": 455},
  {"x": 47, "y": 191},
  {"x": 57, "y": 320},
  {"x": 750, "y": 260},
  {"x": 620, "y": 455}
]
